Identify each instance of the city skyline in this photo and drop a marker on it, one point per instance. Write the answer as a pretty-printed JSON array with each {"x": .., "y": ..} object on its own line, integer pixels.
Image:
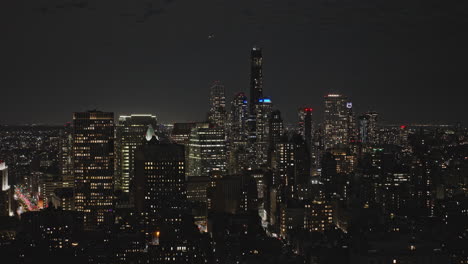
[
  {"x": 403, "y": 61},
  {"x": 247, "y": 132}
]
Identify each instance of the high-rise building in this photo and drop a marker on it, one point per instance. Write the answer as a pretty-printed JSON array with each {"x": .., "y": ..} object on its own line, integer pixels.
[
  {"x": 238, "y": 118},
  {"x": 197, "y": 187},
  {"x": 263, "y": 111},
  {"x": 352, "y": 129},
  {"x": 5, "y": 191},
  {"x": 318, "y": 216},
  {"x": 66, "y": 153},
  {"x": 276, "y": 128},
  {"x": 234, "y": 193},
  {"x": 159, "y": 180},
  {"x": 93, "y": 166},
  {"x": 63, "y": 198},
  {"x": 207, "y": 151},
  {"x": 130, "y": 134},
  {"x": 305, "y": 125},
  {"x": 237, "y": 134},
  {"x": 181, "y": 133},
  {"x": 292, "y": 165},
  {"x": 368, "y": 128},
  {"x": 217, "y": 113},
  {"x": 256, "y": 78},
  {"x": 335, "y": 121}
]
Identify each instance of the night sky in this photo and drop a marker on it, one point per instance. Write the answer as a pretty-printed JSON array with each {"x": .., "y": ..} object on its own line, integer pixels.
[{"x": 406, "y": 59}]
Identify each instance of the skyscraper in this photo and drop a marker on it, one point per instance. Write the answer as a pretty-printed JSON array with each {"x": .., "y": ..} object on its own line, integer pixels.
[
  {"x": 276, "y": 129},
  {"x": 207, "y": 151},
  {"x": 305, "y": 125},
  {"x": 368, "y": 128},
  {"x": 93, "y": 166},
  {"x": 263, "y": 111},
  {"x": 238, "y": 118},
  {"x": 292, "y": 169},
  {"x": 217, "y": 113},
  {"x": 352, "y": 130},
  {"x": 5, "y": 191},
  {"x": 335, "y": 121},
  {"x": 237, "y": 134},
  {"x": 159, "y": 179},
  {"x": 130, "y": 134},
  {"x": 66, "y": 154},
  {"x": 180, "y": 134},
  {"x": 256, "y": 77}
]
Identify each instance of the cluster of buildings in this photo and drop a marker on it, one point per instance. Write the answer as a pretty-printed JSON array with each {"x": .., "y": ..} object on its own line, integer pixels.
[{"x": 240, "y": 187}]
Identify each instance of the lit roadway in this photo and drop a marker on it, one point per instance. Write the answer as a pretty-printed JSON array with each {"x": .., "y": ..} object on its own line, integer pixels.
[{"x": 25, "y": 200}]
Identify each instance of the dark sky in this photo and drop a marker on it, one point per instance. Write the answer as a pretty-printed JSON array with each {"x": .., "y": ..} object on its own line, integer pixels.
[{"x": 406, "y": 59}]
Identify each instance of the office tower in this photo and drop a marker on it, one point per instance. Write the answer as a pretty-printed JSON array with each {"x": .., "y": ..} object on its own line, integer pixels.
[
  {"x": 284, "y": 163},
  {"x": 217, "y": 113},
  {"x": 46, "y": 186},
  {"x": 207, "y": 151},
  {"x": 5, "y": 191},
  {"x": 352, "y": 129},
  {"x": 160, "y": 198},
  {"x": 51, "y": 230},
  {"x": 256, "y": 78},
  {"x": 335, "y": 121},
  {"x": 403, "y": 136},
  {"x": 306, "y": 128},
  {"x": 130, "y": 134},
  {"x": 368, "y": 128},
  {"x": 345, "y": 162},
  {"x": 237, "y": 134},
  {"x": 276, "y": 128},
  {"x": 159, "y": 181},
  {"x": 181, "y": 133},
  {"x": 63, "y": 198},
  {"x": 305, "y": 124},
  {"x": 234, "y": 193},
  {"x": 292, "y": 165},
  {"x": 238, "y": 118},
  {"x": 93, "y": 166},
  {"x": 263, "y": 111},
  {"x": 66, "y": 154},
  {"x": 318, "y": 216},
  {"x": 197, "y": 196}
]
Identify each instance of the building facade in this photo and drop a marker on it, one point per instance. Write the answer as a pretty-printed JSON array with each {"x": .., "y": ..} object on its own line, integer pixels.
[{"x": 93, "y": 166}]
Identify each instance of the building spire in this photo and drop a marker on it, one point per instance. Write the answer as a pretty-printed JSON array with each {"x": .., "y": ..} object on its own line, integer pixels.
[{"x": 150, "y": 133}]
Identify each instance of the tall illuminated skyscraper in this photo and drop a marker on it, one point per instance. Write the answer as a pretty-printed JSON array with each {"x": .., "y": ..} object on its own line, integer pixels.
[
  {"x": 5, "y": 191},
  {"x": 217, "y": 114},
  {"x": 276, "y": 129},
  {"x": 207, "y": 151},
  {"x": 93, "y": 166},
  {"x": 130, "y": 134},
  {"x": 263, "y": 111},
  {"x": 335, "y": 121},
  {"x": 256, "y": 78}
]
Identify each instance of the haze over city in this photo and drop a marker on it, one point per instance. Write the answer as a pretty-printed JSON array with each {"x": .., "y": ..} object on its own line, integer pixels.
[{"x": 405, "y": 60}]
